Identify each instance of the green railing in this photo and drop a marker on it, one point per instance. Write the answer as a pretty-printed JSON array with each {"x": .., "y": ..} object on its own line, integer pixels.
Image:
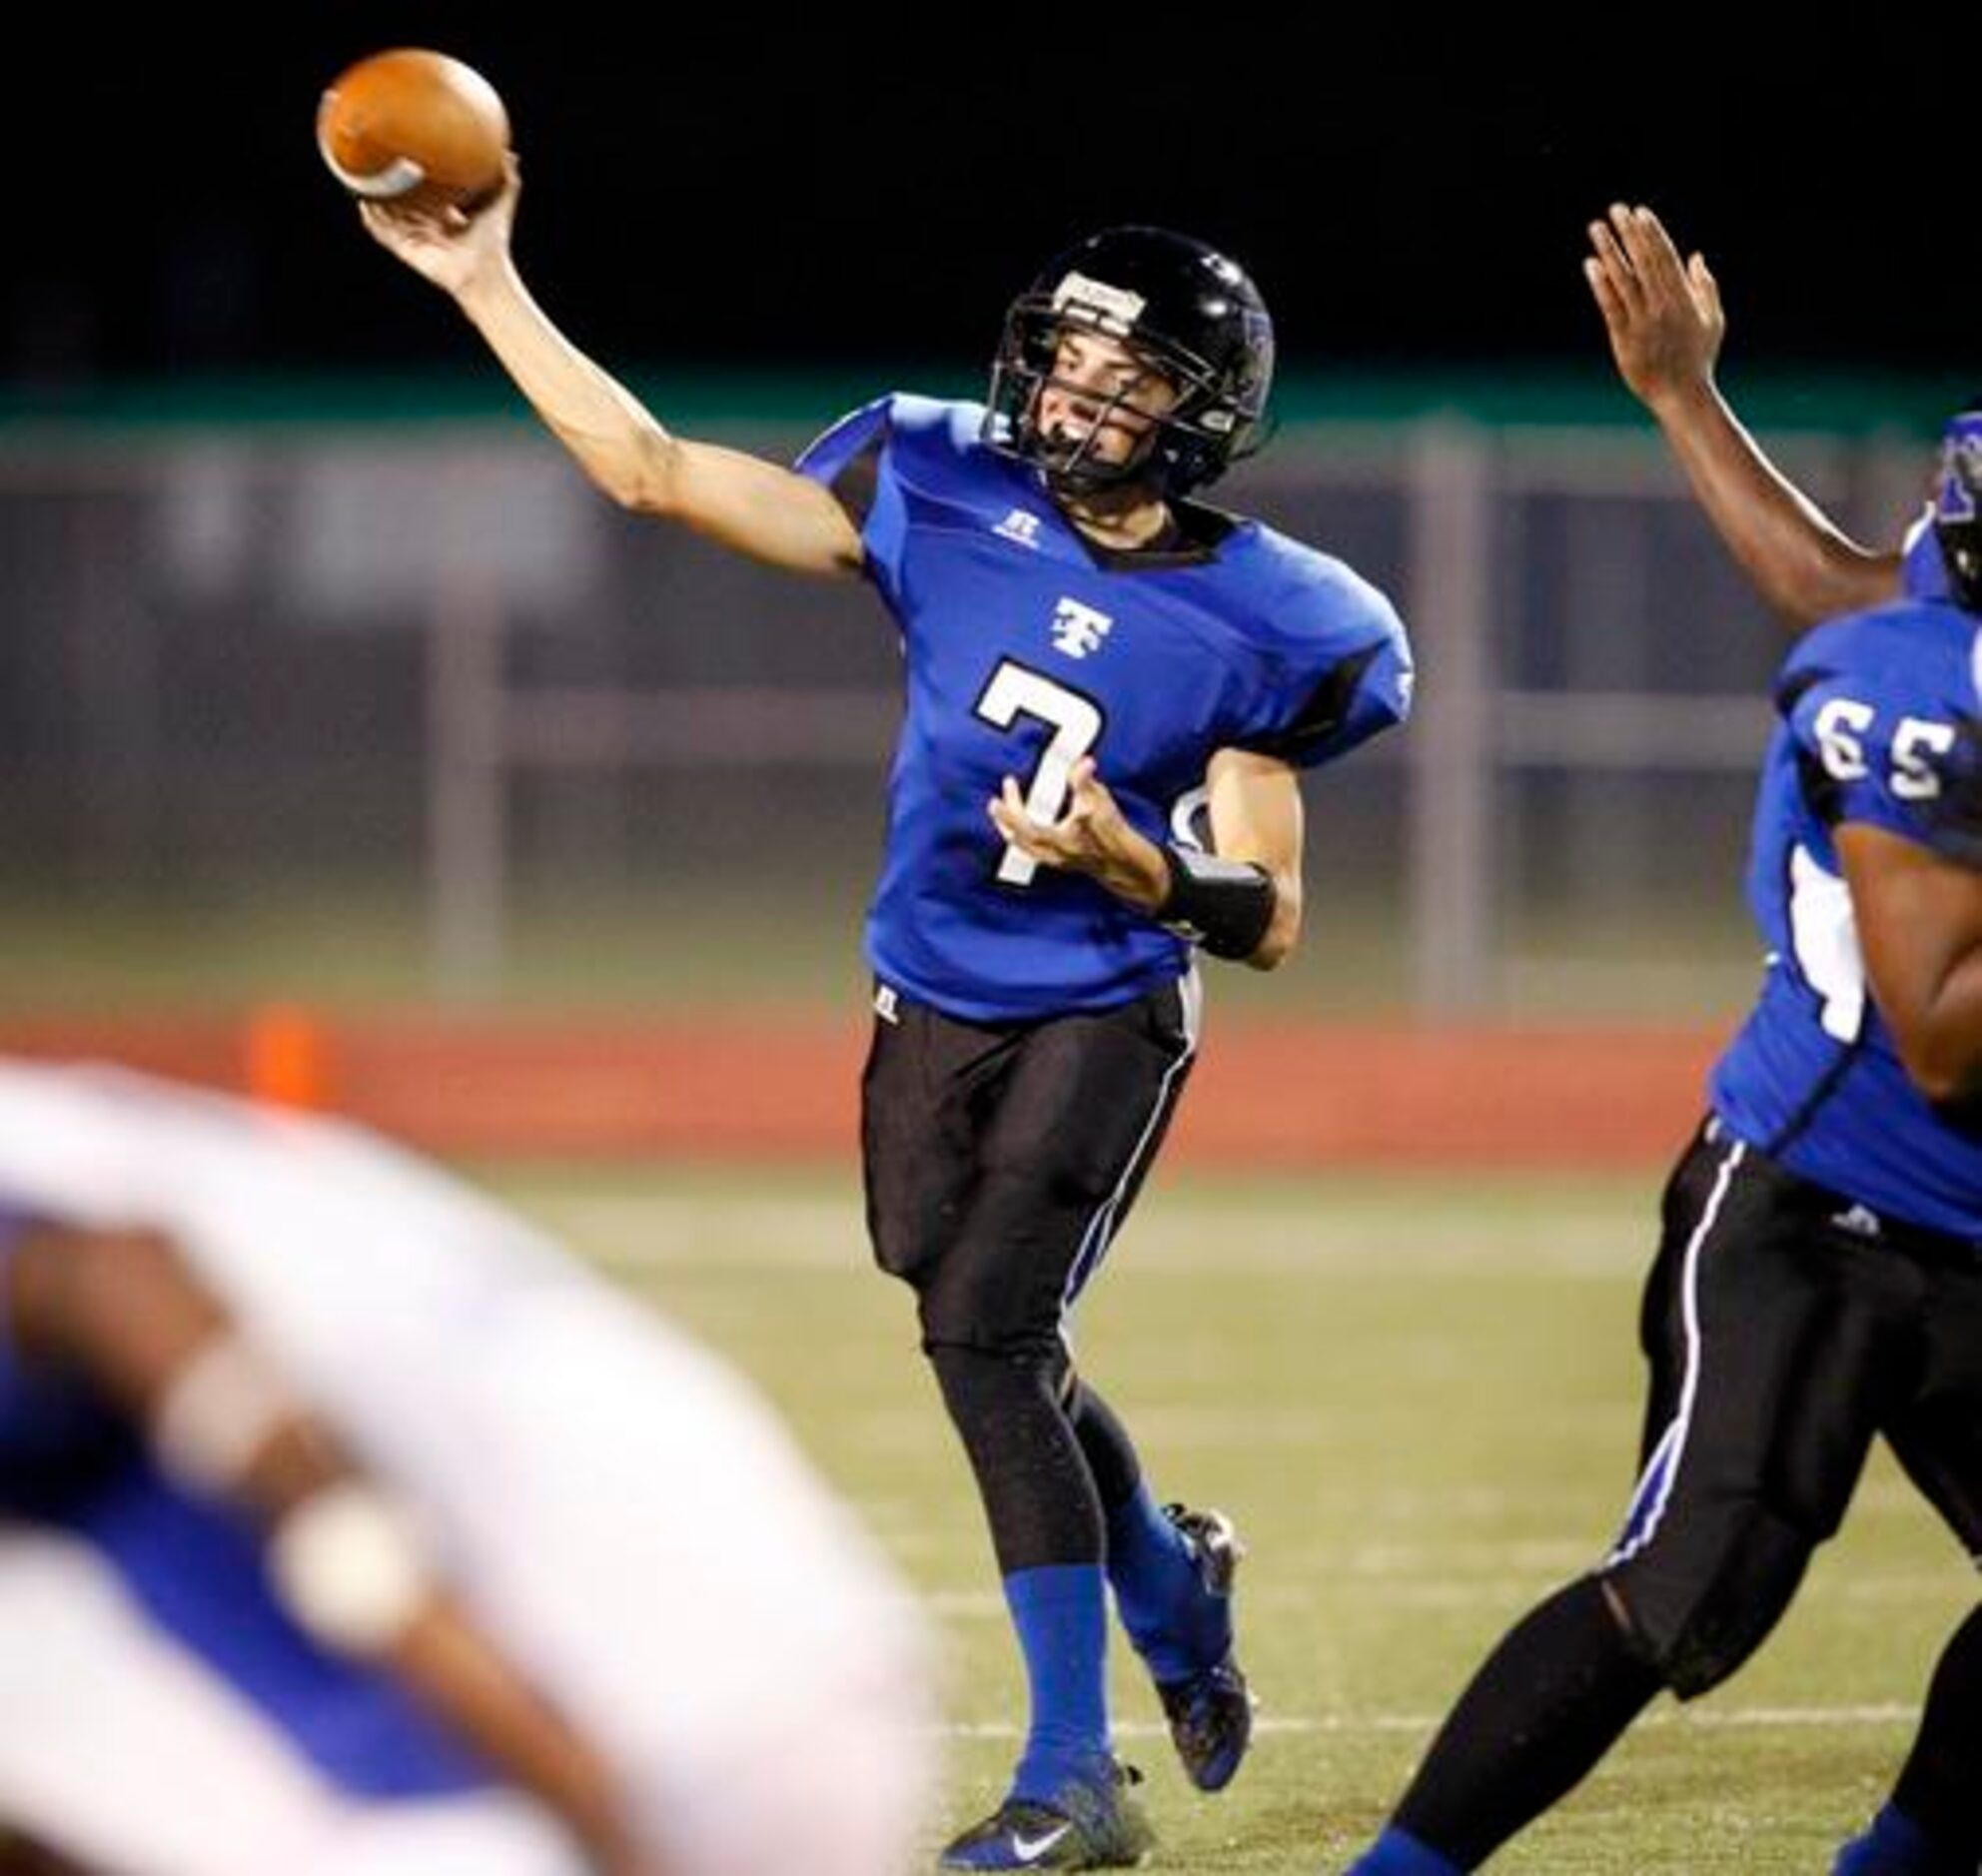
[{"x": 1586, "y": 398}]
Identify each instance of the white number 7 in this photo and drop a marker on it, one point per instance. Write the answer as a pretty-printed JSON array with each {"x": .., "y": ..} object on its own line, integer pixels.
[{"x": 1015, "y": 691}]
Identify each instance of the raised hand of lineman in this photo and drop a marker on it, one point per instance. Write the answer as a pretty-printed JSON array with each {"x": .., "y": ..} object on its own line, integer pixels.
[{"x": 1663, "y": 317}]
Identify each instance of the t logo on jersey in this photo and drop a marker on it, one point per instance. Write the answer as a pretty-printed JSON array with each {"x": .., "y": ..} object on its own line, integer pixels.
[
  {"x": 1079, "y": 630},
  {"x": 1021, "y": 526}
]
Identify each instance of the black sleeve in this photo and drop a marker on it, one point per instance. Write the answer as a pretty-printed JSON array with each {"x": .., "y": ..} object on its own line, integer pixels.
[
  {"x": 853, "y": 488},
  {"x": 1324, "y": 713}
]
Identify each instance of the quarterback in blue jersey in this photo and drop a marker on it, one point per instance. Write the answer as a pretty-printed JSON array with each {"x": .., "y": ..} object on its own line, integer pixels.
[
  {"x": 1111, "y": 689},
  {"x": 1818, "y": 1282}
]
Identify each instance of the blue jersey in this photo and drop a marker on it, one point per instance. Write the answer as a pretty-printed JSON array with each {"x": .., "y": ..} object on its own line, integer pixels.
[
  {"x": 1878, "y": 725},
  {"x": 1028, "y": 647}
]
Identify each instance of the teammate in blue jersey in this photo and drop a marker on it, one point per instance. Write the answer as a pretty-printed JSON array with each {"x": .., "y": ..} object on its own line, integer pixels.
[
  {"x": 1819, "y": 1279},
  {"x": 1099, "y": 666}
]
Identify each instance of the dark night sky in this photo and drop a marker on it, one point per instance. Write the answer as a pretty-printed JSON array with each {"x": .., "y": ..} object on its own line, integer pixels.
[{"x": 746, "y": 191}]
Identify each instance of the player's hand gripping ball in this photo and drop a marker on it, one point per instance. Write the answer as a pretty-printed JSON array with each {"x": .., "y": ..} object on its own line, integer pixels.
[{"x": 416, "y": 132}]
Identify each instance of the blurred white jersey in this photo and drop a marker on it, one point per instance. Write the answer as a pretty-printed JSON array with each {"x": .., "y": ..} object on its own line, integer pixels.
[{"x": 623, "y": 1511}]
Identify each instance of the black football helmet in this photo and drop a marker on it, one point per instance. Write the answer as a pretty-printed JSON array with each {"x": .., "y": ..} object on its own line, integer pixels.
[
  {"x": 1186, "y": 311},
  {"x": 1958, "y": 504}
]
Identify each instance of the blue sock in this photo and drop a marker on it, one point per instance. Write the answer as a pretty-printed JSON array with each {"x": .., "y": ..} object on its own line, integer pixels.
[
  {"x": 1894, "y": 1846},
  {"x": 1061, "y": 1614},
  {"x": 1178, "y": 1626},
  {"x": 1399, "y": 1853}
]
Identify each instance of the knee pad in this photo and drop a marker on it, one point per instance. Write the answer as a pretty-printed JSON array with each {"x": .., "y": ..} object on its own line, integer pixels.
[{"x": 1695, "y": 1607}]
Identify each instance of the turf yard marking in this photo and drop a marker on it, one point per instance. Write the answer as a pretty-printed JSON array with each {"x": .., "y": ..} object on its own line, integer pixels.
[
  {"x": 662, "y": 1230},
  {"x": 1763, "y": 1718}
]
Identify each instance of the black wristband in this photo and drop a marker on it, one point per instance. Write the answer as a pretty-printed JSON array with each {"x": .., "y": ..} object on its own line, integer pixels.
[{"x": 1224, "y": 905}]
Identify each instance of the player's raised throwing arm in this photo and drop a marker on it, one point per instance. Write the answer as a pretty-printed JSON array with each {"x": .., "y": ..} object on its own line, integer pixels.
[
  {"x": 758, "y": 508},
  {"x": 1666, "y": 324}
]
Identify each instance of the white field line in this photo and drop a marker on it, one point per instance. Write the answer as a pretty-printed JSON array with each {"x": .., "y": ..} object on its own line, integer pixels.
[
  {"x": 659, "y": 1231},
  {"x": 1756, "y": 1718},
  {"x": 1509, "y": 1593}
]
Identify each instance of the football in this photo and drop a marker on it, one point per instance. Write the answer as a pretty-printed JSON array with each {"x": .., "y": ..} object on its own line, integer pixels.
[{"x": 416, "y": 129}]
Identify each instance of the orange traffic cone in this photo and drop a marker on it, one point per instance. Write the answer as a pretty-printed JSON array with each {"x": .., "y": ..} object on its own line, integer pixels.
[{"x": 286, "y": 1054}]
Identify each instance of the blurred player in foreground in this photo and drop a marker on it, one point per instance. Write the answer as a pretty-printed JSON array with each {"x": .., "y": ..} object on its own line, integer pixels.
[
  {"x": 348, "y": 1528},
  {"x": 1819, "y": 1279},
  {"x": 1092, "y": 652}
]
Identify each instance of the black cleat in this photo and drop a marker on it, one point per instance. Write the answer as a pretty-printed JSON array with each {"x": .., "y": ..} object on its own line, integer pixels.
[
  {"x": 1086, "y": 1826},
  {"x": 1210, "y": 1713}
]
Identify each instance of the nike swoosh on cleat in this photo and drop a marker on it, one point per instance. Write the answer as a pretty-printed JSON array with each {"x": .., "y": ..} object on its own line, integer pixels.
[{"x": 1030, "y": 1850}]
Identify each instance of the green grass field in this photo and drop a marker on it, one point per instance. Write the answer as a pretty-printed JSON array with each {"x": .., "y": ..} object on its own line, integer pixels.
[{"x": 1419, "y": 1397}]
